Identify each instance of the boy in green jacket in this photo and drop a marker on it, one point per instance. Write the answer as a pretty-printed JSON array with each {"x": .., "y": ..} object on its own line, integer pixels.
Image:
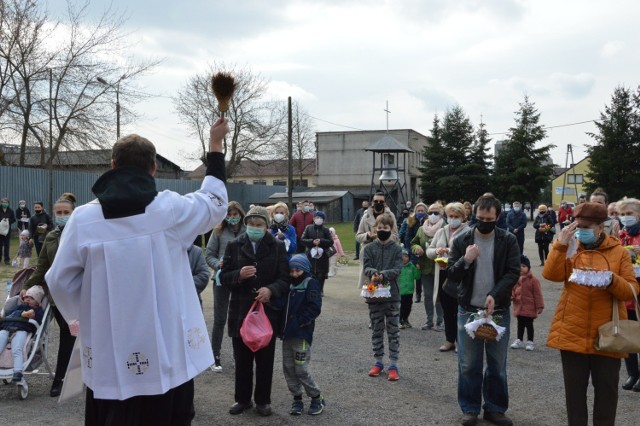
[{"x": 408, "y": 276}]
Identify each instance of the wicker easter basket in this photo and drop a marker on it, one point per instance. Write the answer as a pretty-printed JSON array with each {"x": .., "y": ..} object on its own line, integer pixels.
[
  {"x": 584, "y": 273},
  {"x": 486, "y": 332}
]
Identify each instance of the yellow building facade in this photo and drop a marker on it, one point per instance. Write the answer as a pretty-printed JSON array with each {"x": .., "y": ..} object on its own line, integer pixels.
[{"x": 573, "y": 181}]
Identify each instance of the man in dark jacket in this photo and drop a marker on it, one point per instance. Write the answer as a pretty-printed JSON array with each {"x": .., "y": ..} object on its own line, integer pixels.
[
  {"x": 516, "y": 222},
  {"x": 22, "y": 215},
  {"x": 40, "y": 225},
  {"x": 7, "y": 215},
  {"x": 316, "y": 239},
  {"x": 255, "y": 268},
  {"x": 356, "y": 224},
  {"x": 485, "y": 262}
]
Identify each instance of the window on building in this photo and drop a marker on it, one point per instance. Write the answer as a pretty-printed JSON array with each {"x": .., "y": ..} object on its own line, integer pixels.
[
  {"x": 240, "y": 181},
  {"x": 259, "y": 182},
  {"x": 303, "y": 183},
  {"x": 280, "y": 182},
  {"x": 574, "y": 178}
]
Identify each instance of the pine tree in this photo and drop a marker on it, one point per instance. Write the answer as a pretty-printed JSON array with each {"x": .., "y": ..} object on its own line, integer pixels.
[
  {"x": 433, "y": 158},
  {"x": 457, "y": 138},
  {"x": 615, "y": 158},
  {"x": 523, "y": 170},
  {"x": 479, "y": 166}
]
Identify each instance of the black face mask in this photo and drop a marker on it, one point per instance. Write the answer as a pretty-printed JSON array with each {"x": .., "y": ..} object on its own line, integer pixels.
[
  {"x": 379, "y": 206},
  {"x": 485, "y": 227},
  {"x": 384, "y": 235}
]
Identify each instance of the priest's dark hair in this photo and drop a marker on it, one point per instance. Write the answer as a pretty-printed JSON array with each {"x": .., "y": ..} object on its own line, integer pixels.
[{"x": 134, "y": 151}]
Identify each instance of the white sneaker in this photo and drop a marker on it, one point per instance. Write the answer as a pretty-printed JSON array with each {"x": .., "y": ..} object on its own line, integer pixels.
[
  {"x": 529, "y": 346},
  {"x": 216, "y": 368},
  {"x": 517, "y": 344}
]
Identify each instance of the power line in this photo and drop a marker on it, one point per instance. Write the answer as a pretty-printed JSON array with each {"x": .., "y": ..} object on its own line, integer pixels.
[{"x": 550, "y": 127}]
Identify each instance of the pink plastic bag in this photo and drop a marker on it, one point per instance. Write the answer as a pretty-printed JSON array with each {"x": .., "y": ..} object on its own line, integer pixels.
[{"x": 256, "y": 331}]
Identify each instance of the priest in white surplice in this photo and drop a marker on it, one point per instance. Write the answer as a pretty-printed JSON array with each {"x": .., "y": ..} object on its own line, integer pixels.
[{"x": 122, "y": 271}]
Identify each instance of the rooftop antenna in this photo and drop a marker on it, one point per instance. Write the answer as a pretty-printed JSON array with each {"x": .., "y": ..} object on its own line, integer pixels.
[{"x": 388, "y": 112}]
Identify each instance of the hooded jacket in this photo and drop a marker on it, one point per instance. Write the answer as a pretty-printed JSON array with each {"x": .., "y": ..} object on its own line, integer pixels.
[
  {"x": 122, "y": 270},
  {"x": 385, "y": 259},
  {"x": 301, "y": 306},
  {"x": 582, "y": 309},
  {"x": 527, "y": 296}
]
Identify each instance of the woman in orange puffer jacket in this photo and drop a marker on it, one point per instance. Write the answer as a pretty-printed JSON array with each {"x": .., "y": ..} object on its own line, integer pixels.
[
  {"x": 629, "y": 213},
  {"x": 582, "y": 309}
]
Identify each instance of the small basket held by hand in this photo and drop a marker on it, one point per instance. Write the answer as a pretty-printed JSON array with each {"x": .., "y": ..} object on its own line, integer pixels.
[
  {"x": 584, "y": 273},
  {"x": 486, "y": 332}
]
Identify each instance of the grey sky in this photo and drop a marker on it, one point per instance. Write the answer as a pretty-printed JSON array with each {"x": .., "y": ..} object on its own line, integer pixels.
[{"x": 343, "y": 59}]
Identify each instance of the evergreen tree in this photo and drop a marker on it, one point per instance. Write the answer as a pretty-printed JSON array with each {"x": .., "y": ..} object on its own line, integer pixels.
[
  {"x": 433, "y": 158},
  {"x": 523, "y": 170},
  {"x": 615, "y": 158},
  {"x": 457, "y": 138},
  {"x": 479, "y": 166}
]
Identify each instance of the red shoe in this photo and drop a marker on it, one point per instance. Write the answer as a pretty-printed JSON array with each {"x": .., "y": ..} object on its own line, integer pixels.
[
  {"x": 376, "y": 370},
  {"x": 393, "y": 374}
]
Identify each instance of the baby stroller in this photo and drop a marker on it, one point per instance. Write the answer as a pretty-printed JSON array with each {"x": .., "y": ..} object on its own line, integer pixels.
[{"x": 35, "y": 348}]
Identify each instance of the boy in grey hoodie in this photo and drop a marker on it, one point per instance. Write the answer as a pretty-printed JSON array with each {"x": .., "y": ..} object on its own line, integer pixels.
[{"x": 382, "y": 263}]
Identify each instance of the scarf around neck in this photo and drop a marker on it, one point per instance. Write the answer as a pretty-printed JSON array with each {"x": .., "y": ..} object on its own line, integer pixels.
[{"x": 430, "y": 229}]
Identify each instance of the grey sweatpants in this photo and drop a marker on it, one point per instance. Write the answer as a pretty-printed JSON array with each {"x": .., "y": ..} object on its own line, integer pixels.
[
  {"x": 385, "y": 315},
  {"x": 296, "y": 355}
]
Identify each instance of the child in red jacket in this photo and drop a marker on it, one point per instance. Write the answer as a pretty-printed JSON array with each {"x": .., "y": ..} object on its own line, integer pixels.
[{"x": 527, "y": 304}]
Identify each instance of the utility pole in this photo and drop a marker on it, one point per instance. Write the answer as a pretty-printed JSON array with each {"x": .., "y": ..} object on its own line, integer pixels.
[
  {"x": 50, "y": 165},
  {"x": 290, "y": 156}
]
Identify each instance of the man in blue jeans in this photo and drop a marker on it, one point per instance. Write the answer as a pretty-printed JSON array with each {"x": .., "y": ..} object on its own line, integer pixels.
[{"x": 485, "y": 262}]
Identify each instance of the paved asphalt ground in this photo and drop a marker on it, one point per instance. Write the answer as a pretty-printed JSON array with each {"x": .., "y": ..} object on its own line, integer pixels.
[{"x": 424, "y": 395}]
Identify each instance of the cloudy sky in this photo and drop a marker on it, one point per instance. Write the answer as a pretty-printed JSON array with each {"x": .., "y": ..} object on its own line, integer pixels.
[{"x": 343, "y": 59}]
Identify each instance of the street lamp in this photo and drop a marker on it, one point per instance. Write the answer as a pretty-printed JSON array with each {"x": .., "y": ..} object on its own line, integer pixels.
[{"x": 117, "y": 87}]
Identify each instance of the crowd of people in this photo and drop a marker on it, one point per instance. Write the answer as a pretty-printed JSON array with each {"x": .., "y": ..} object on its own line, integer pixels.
[{"x": 463, "y": 261}]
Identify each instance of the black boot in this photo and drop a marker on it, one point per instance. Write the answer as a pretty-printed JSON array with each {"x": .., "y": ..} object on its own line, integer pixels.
[
  {"x": 56, "y": 388},
  {"x": 628, "y": 385}
]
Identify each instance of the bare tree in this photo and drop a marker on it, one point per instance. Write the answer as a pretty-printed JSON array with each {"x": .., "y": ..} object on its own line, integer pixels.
[
  {"x": 81, "y": 107},
  {"x": 256, "y": 123},
  {"x": 303, "y": 139}
]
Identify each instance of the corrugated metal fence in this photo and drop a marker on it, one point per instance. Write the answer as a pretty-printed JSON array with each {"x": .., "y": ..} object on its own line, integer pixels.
[{"x": 23, "y": 183}]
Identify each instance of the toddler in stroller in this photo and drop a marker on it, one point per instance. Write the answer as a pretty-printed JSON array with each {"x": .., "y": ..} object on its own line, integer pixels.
[{"x": 18, "y": 320}]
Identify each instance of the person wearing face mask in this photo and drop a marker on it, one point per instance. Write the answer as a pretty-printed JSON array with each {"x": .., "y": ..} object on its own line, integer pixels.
[
  {"x": 317, "y": 239},
  {"x": 516, "y": 223},
  {"x": 229, "y": 229},
  {"x": 565, "y": 214},
  {"x": 39, "y": 225},
  {"x": 8, "y": 217},
  {"x": 255, "y": 267},
  {"x": 543, "y": 224},
  {"x": 281, "y": 229},
  {"x": 300, "y": 220},
  {"x": 628, "y": 210},
  {"x": 62, "y": 210},
  {"x": 439, "y": 247},
  {"x": 408, "y": 231},
  {"x": 431, "y": 223},
  {"x": 484, "y": 261},
  {"x": 611, "y": 225},
  {"x": 366, "y": 233},
  {"x": 22, "y": 215},
  {"x": 583, "y": 309}
]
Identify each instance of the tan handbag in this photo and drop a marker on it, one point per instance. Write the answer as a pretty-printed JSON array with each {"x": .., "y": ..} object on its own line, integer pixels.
[{"x": 620, "y": 336}]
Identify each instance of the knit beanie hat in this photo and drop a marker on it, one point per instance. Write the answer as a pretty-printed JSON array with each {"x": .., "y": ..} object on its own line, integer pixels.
[
  {"x": 300, "y": 261},
  {"x": 524, "y": 260},
  {"x": 36, "y": 292},
  {"x": 321, "y": 214},
  {"x": 258, "y": 211}
]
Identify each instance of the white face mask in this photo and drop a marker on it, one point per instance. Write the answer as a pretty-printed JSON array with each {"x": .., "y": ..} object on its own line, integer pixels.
[
  {"x": 318, "y": 221},
  {"x": 278, "y": 217},
  {"x": 434, "y": 219},
  {"x": 454, "y": 223}
]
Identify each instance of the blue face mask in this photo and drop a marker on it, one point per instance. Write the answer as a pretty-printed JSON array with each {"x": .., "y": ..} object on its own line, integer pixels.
[
  {"x": 586, "y": 236},
  {"x": 62, "y": 220},
  {"x": 516, "y": 209},
  {"x": 420, "y": 215}
]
